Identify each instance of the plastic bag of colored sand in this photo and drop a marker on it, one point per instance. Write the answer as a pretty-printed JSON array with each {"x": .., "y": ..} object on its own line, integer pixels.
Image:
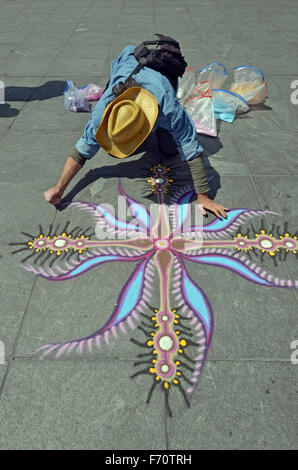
[
  {"x": 249, "y": 82},
  {"x": 91, "y": 91},
  {"x": 74, "y": 99}
]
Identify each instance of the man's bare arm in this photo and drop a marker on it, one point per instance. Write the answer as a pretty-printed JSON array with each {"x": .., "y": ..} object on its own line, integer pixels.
[{"x": 71, "y": 168}]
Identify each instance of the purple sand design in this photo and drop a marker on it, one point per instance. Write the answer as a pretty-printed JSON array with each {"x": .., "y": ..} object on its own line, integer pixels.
[{"x": 177, "y": 335}]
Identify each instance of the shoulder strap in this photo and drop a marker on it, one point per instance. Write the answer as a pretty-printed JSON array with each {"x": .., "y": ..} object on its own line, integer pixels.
[
  {"x": 142, "y": 53},
  {"x": 135, "y": 71}
]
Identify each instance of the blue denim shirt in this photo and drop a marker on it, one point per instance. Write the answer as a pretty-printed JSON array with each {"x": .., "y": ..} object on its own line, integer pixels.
[{"x": 172, "y": 115}]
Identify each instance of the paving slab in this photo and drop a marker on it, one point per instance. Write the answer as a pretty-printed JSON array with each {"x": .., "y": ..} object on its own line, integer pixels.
[
  {"x": 13, "y": 307},
  {"x": 76, "y": 411},
  {"x": 45, "y": 110},
  {"x": 258, "y": 148},
  {"x": 3, "y": 368},
  {"x": 256, "y": 409},
  {"x": 237, "y": 303},
  {"x": 17, "y": 92}
]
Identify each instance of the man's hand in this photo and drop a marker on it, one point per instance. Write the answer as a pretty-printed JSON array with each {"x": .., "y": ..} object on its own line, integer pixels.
[
  {"x": 53, "y": 195},
  {"x": 71, "y": 168},
  {"x": 206, "y": 203}
]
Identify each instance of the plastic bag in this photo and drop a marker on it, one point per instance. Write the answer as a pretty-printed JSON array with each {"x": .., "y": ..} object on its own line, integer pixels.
[
  {"x": 227, "y": 104},
  {"x": 201, "y": 110},
  {"x": 186, "y": 85},
  {"x": 247, "y": 73},
  {"x": 74, "y": 99},
  {"x": 254, "y": 92},
  {"x": 91, "y": 91},
  {"x": 202, "y": 89},
  {"x": 202, "y": 113},
  {"x": 249, "y": 83},
  {"x": 214, "y": 73}
]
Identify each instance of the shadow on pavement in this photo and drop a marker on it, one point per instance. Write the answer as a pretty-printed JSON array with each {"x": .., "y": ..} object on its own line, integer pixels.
[
  {"x": 140, "y": 168},
  {"x": 17, "y": 93},
  {"x": 6, "y": 111}
]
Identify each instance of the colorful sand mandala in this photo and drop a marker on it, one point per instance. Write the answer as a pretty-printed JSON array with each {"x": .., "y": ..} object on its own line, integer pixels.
[{"x": 176, "y": 333}]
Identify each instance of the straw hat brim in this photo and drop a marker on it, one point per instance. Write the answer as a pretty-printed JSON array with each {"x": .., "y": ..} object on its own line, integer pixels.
[{"x": 148, "y": 104}]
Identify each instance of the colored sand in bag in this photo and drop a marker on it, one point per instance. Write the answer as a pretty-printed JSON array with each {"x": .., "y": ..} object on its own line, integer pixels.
[
  {"x": 91, "y": 91},
  {"x": 254, "y": 92},
  {"x": 227, "y": 104},
  {"x": 249, "y": 83},
  {"x": 74, "y": 100},
  {"x": 201, "y": 110},
  {"x": 77, "y": 99}
]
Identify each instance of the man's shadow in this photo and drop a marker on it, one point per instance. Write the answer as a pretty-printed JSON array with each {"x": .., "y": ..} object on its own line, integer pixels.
[
  {"x": 140, "y": 168},
  {"x": 46, "y": 91}
]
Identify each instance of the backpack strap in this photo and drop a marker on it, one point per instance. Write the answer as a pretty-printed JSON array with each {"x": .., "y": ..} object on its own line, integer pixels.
[
  {"x": 142, "y": 53},
  {"x": 161, "y": 41},
  {"x": 135, "y": 71}
]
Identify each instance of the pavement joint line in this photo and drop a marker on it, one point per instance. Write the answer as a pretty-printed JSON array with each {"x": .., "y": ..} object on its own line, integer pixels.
[
  {"x": 131, "y": 360},
  {"x": 166, "y": 421},
  {"x": 290, "y": 45},
  {"x": 16, "y": 341},
  {"x": 242, "y": 153},
  {"x": 195, "y": 25},
  {"x": 18, "y": 335},
  {"x": 28, "y": 289},
  {"x": 284, "y": 74},
  {"x": 69, "y": 37},
  {"x": 267, "y": 216},
  {"x": 25, "y": 102},
  {"x": 115, "y": 25},
  {"x": 30, "y": 34},
  {"x": 40, "y": 76},
  {"x": 19, "y": 12}
]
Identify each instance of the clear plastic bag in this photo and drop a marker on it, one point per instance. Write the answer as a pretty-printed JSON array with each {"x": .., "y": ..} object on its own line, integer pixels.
[
  {"x": 201, "y": 110},
  {"x": 227, "y": 104},
  {"x": 91, "y": 91},
  {"x": 74, "y": 99},
  {"x": 214, "y": 73},
  {"x": 247, "y": 73},
  {"x": 186, "y": 85},
  {"x": 205, "y": 100},
  {"x": 249, "y": 83}
]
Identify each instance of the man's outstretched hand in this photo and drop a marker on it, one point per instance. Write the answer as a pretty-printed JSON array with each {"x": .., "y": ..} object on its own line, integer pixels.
[
  {"x": 206, "y": 203},
  {"x": 71, "y": 168},
  {"x": 53, "y": 195}
]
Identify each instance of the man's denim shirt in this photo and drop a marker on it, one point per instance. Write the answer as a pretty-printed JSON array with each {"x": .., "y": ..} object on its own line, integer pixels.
[{"x": 172, "y": 115}]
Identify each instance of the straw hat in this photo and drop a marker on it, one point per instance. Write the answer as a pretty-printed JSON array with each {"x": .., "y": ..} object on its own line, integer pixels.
[{"x": 127, "y": 121}]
